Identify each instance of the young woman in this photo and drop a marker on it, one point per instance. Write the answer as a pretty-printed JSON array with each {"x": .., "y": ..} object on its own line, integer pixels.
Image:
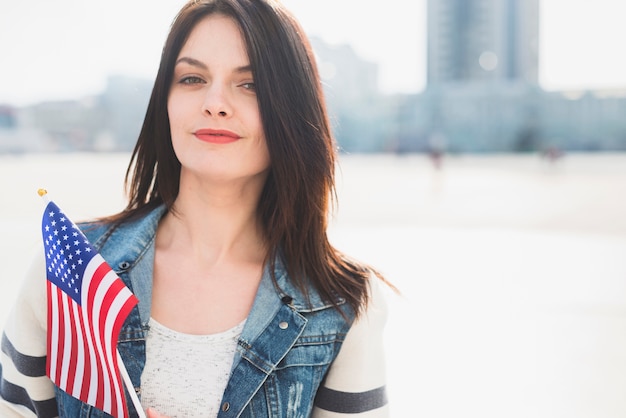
[{"x": 245, "y": 310}]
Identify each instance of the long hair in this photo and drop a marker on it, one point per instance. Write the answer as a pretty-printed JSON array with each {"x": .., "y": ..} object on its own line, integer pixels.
[{"x": 296, "y": 199}]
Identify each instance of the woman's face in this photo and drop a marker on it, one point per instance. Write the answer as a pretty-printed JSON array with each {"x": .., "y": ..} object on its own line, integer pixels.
[{"x": 216, "y": 127}]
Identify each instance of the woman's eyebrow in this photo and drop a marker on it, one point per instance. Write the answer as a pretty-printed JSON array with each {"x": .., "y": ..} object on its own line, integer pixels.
[
  {"x": 243, "y": 69},
  {"x": 192, "y": 61},
  {"x": 197, "y": 63}
]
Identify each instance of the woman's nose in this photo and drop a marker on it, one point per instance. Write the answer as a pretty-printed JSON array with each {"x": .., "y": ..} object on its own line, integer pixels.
[{"x": 216, "y": 102}]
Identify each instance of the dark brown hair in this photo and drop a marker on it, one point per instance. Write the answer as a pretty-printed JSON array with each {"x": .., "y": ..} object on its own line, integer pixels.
[{"x": 294, "y": 204}]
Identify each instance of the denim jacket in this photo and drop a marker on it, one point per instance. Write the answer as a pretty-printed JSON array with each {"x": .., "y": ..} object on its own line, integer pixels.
[{"x": 284, "y": 352}]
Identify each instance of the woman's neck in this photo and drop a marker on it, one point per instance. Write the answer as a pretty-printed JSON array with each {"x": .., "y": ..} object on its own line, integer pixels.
[{"x": 215, "y": 224}]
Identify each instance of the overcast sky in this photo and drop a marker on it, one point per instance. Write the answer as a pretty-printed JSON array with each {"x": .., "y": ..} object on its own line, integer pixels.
[{"x": 65, "y": 48}]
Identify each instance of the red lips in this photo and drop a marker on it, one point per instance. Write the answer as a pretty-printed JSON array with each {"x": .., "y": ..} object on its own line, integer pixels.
[{"x": 216, "y": 136}]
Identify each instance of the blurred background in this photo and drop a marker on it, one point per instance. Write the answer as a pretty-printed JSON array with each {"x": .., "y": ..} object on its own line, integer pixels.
[{"x": 482, "y": 170}]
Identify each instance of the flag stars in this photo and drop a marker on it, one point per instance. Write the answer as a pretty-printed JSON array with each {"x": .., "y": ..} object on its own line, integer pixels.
[{"x": 67, "y": 252}]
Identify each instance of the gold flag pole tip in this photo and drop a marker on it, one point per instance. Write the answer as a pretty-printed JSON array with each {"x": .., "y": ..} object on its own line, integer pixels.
[{"x": 42, "y": 192}]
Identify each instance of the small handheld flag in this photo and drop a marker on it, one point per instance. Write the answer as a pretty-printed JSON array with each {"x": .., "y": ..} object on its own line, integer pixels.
[{"x": 87, "y": 305}]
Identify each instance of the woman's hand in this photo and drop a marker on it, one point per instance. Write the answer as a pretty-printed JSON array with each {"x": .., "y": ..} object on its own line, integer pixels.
[{"x": 154, "y": 414}]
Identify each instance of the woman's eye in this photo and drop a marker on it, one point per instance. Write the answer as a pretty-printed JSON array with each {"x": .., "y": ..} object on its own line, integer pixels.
[
  {"x": 191, "y": 80},
  {"x": 248, "y": 86}
]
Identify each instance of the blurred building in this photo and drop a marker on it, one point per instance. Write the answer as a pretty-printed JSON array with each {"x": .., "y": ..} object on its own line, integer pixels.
[
  {"x": 18, "y": 136},
  {"x": 482, "y": 92},
  {"x": 123, "y": 104},
  {"x": 360, "y": 115},
  {"x": 483, "y": 40},
  {"x": 110, "y": 121}
]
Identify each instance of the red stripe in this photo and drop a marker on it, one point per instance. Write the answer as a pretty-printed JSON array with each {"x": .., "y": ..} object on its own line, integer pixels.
[
  {"x": 119, "y": 321},
  {"x": 71, "y": 371},
  {"x": 49, "y": 336},
  {"x": 84, "y": 390},
  {"x": 109, "y": 297},
  {"x": 98, "y": 342},
  {"x": 61, "y": 337}
]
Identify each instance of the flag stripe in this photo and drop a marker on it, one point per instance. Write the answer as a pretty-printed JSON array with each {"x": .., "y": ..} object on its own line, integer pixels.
[
  {"x": 105, "y": 291},
  {"x": 73, "y": 341},
  {"x": 98, "y": 397},
  {"x": 66, "y": 341},
  {"x": 116, "y": 304},
  {"x": 79, "y": 356}
]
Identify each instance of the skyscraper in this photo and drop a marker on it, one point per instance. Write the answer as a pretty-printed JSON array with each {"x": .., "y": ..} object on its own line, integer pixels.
[{"x": 483, "y": 40}]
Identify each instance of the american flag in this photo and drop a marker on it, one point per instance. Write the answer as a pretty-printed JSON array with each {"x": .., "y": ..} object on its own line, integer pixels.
[{"x": 87, "y": 305}]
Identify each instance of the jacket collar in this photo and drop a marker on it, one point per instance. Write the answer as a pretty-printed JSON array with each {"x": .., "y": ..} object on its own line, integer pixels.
[{"x": 129, "y": 248}]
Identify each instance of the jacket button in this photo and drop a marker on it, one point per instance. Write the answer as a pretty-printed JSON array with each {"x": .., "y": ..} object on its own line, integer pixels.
[
  {"x": 283, "y": 325},
  {"x": 124, "y": 265},
  {"x": 225, "y": 406}
]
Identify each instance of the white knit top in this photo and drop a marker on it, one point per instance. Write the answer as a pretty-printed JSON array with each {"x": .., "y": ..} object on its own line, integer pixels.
[{"x": 185, "y": 375}]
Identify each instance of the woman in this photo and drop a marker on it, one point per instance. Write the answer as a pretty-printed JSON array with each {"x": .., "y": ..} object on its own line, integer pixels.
[{"x": 245, "y": 308}]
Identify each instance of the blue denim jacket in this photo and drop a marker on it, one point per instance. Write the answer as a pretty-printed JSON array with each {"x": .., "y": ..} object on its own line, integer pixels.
[{"x": 282, "y": 356}]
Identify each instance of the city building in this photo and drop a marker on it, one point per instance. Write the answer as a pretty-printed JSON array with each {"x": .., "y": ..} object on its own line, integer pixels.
[
  {"x": 482, "y": 40},
  {"x": 482, "y": 92}
]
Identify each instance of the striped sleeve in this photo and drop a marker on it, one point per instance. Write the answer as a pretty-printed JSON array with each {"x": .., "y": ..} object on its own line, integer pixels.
[
  {"x": 25, "y": 390},
  {"x": 355, "y": 383}
]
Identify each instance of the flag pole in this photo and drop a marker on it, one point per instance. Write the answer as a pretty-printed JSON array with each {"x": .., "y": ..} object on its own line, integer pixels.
[
  {"x": 129, "y": 386},
  {"x": 43, "y": 193}
]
